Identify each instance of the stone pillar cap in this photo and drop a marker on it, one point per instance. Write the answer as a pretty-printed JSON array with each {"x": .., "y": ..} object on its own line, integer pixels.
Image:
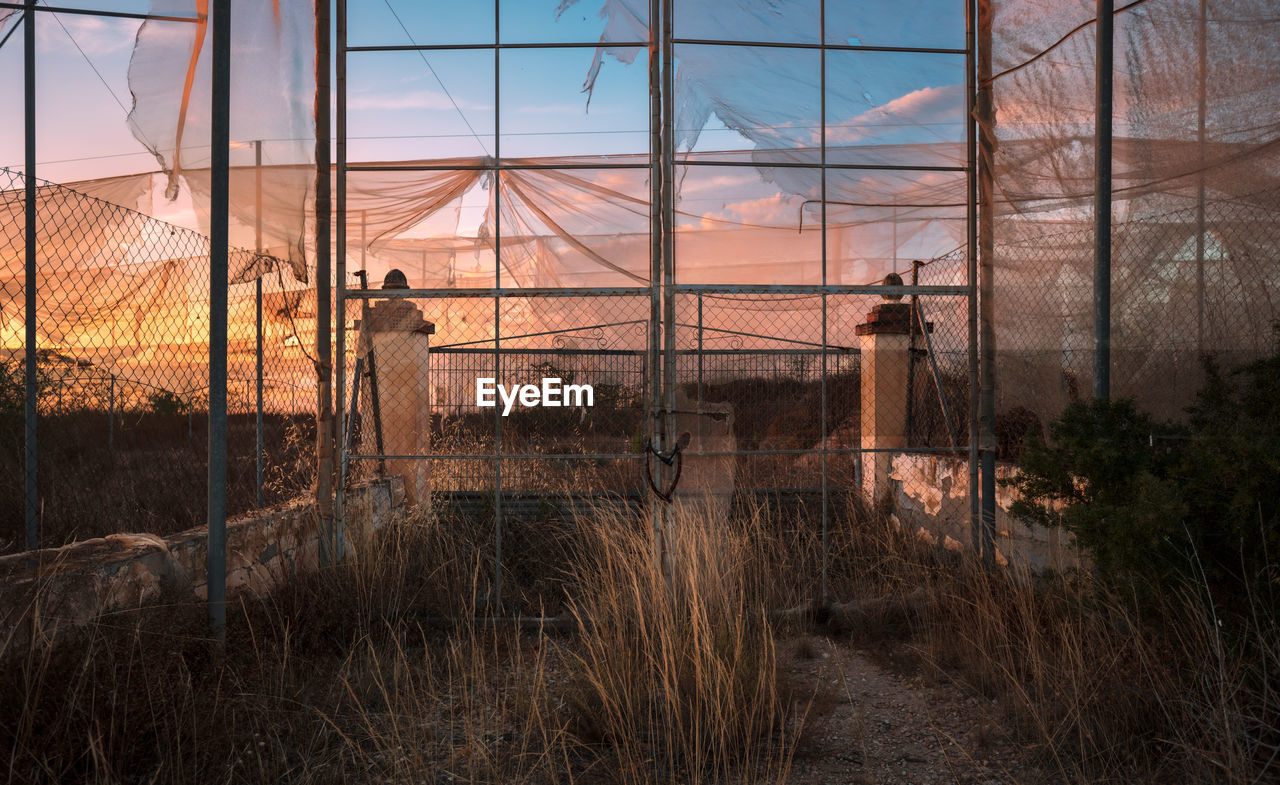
[{"x": 395, "y": 279}]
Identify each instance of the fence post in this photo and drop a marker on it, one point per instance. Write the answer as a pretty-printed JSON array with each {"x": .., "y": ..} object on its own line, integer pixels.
[
  {"x": 29, "y": 165},
  {"x": 986, "y": 285},
  {"x": 497, "y": 312},
  {"x": 218, "y": 207},
  {"x": 324, "y": 290},
  {"x": 111, "y": 415},
  {"x": 1102, "y": 205},
  {"x": 257, "y": 162},
  {"x": 1201, "y": 79},
  {"x": 700, "y": 327}
]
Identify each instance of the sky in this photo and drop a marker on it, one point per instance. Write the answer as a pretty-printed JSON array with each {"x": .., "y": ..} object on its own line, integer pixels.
[{"x": 408, "y": 105}]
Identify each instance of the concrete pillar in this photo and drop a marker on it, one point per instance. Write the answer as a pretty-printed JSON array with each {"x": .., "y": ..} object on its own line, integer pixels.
[
  {"x": 885, "y": 341},
  {"x": 705, "y": 489},
  {"x": 399, "y": 339}
]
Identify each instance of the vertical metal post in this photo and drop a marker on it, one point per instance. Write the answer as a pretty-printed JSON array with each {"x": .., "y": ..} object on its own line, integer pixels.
[
  {"x": 986, "y": 285},
  {"x": 324, "y": 291},
  {"x": 29, "y": 279},
  {"x": 700, "y": 361},
  {"x": 497, "y": 300},
  {"x": 822, "y": 175},
  {"x": 669, "y": 435},
  {"x": 340, "y": 295},
  {"x": 911, "y": 351},
  {"x": 656, "y": 233},
  {"x": 971, "y": 265},
  {"x": 1102, "y": 203},
  {"x": 111, "y": 415},
  {"x": 1201, "y": 84},
  {"x": 220, "y": 141},
  {"x": 257, "y": 301}
]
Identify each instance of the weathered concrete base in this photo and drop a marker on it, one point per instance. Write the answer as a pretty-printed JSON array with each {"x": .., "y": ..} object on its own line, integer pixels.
[
  {"x": 706, "y": 481},
  {"x": 74, "y": 584},
  {"x": 932, "y": 497}
]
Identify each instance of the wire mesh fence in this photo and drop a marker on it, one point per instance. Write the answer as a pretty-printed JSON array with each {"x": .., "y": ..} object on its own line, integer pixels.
[
  {"x": 122, "y": 324},
  {"x": 1181, "y": 292},
  {"x": 768, "y": 403}
]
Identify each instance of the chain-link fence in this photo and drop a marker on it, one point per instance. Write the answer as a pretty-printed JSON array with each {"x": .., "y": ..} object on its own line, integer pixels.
[
  {"x": 122, "y": 324},
  {"x": 1181, "y": 291}
]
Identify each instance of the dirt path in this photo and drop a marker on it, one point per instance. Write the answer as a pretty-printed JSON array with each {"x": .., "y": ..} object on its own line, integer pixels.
[{"x": 870, "y": 725}]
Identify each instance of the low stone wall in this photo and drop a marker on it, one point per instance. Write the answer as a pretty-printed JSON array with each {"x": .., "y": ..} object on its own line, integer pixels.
[
  {"x": 931, "y": 495},
  {"x": 74, "y": 584}
]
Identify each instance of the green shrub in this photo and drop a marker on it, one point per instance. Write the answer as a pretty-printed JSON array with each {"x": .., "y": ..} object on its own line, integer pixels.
[
  {"x": 167, "y": 403},
  {"x": 1157, "y": 505}
]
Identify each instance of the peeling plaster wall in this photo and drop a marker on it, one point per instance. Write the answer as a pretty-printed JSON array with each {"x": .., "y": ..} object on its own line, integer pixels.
[
  {"x": 81, "y": 581},
  {"x": 931, "y": 496}
]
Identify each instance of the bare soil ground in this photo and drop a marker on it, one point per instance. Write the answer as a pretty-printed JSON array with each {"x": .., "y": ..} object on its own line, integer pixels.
[{"x": 874, "y": 721}]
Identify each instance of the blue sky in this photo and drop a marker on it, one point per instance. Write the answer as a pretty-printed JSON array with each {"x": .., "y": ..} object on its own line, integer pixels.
[{"x": 407, "y": 105}]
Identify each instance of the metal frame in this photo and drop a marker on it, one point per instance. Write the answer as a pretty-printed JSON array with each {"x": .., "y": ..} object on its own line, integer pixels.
[{"x": 664, "y": 287}]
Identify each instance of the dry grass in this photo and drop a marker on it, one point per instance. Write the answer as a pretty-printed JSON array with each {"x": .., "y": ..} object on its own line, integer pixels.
[
  {"x": 676, "y": 663},
  {"x": 155, "y": 478},
  {"x": 1105, "y": 692},
  {"x": 381, "y": 671}
]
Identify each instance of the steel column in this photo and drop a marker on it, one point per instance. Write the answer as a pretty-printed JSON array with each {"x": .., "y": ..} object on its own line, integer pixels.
[
  {"x": 668, "y": 255},
  {"x": 257, "y": 301},
  {"x": 986, "y": 284},
  {"x": 1102, "y": 203},
  {"x": 971, "y": 266},
  {"x": 657, "y": 131},
  {"x": 497, "y": 301},
  {"x": 340, "y": 294},
  {"x": 822, "y": 175},
  {"x": 324, "y": 291},
  {"x": 29, "y": 279},
  {"x": 1201, "y": 111},
  {"x": 220, "y": 141}
]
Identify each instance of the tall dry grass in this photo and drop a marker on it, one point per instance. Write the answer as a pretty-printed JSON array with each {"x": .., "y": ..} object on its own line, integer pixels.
[
  {"x": 387, "y": 670},
  {"x": 1105, "y": 689},
  {"x": 676, "y": 666},
  {"x": 393, "y": 669}
]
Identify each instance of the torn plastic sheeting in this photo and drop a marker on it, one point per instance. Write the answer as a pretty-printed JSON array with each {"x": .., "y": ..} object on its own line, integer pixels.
[{"x": 272, "y": 100}]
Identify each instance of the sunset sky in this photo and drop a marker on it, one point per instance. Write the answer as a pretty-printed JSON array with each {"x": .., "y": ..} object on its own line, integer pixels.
[{"x": 412, "y": 105}]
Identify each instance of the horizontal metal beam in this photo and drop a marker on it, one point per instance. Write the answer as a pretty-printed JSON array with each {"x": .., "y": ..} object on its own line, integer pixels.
[
  {"x": 487, "y": 350},
  {"x": 415, "y": 294},
  {"x": 48, "y": 9},
  {"x": 636, "y": 291},
  {"x": 945, "y": 291},
  {"x": 740, "y": 334},
  {"x": 519, "y": 166},
  {"x": 474, "y": 349},
  {"x": 491, "y": 47},
  {"x": 829, "y": 47},
  {"x": 568, "y": 332},
  {"x": 511, "y": 166},
  {"x": 817, "y": 165}
]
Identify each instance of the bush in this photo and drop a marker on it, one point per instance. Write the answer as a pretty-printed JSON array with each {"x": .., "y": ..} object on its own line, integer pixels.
[
  {"x": 166, "y": 403},
  {"x": 1161, "y": 506}
]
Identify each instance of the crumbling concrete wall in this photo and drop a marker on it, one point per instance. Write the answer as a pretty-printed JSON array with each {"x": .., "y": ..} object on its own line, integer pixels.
[
  {"x": 932, "y": 498},
  {"x": 74, "y": 584}
]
